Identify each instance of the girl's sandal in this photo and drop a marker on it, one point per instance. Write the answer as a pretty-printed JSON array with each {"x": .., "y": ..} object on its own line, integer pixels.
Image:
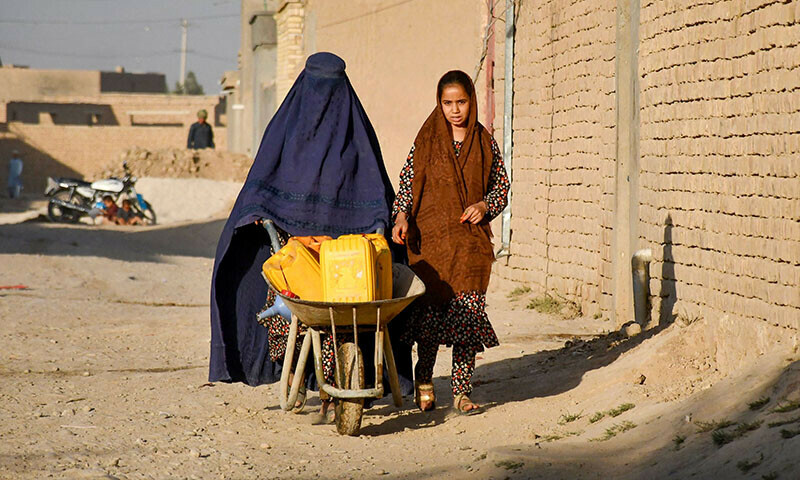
[
  {"x": 465, "y": 406},
  {"x": 423, "y": 392}
]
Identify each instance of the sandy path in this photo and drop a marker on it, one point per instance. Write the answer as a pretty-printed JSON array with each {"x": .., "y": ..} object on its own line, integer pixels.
[{"x": 103, "y": 364}]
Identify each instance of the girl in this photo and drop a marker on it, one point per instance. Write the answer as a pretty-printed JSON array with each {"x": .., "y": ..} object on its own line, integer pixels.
[{"x": 454, "y": 182}]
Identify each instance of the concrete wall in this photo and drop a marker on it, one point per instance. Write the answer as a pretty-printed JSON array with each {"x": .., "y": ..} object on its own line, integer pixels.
[
  {"x": 720, "y": 156},
  {"x": 67, "y": 143},
  {"x": 395, "y": 53},
  {"x": 564, "y": 150},
  {"x": 257, "y": 63},
  {"x": 34, "y": 84}
]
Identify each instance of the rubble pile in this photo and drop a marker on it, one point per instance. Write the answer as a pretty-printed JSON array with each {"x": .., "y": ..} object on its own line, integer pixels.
[{"x": 180, "y": 163}]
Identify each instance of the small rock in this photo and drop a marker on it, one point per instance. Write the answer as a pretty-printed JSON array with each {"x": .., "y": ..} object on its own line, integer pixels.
[
  {"x": 27, "y": 370},
  {"x": 140, "y": 441},
  {"x": 86, "y": 374},
  {"x": 383, "y": 472},
  {"x": 166, "y": 414},
  {"x": 640, "y": 380},
  {"x": 194, "y": 453},
  {"x": 67, "y": 412},
  {"x": 87, "y": 409},
  {"x": 241, "y": 410},
  {"x": 632, "y": 329},
  {"x": 265, "y": 446},
  {"x": 114, "y": 462}
]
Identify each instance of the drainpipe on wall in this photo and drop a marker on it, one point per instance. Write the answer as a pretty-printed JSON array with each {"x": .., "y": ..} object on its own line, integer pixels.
[{"x": 508, "y": 113}]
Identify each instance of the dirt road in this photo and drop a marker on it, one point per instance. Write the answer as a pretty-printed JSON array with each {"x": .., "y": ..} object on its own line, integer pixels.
[{"x": 103, "y": 361}]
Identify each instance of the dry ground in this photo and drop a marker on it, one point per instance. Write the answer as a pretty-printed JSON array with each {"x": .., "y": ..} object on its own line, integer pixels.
[{"x": 103, "y": 364}]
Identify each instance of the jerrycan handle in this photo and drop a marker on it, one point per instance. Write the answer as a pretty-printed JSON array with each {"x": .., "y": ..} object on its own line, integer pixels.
[{"x": 269, "y": 226}]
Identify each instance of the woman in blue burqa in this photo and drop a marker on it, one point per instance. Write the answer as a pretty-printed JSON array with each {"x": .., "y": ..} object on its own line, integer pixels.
[{"x": 318, "y": 171}]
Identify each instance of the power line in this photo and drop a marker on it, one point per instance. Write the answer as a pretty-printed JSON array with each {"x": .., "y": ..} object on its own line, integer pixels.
[
  {"x": 117, "y": 55},
  {"x": 24, "y": 21}
]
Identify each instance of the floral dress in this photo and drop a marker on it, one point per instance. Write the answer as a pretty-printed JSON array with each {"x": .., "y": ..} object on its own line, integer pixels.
[
  {"x": 278, "y": 328},
  {"x": 462, "y": 322}
]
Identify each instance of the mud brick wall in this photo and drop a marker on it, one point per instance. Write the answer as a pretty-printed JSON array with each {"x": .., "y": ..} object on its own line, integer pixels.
[
  {"x": 66, "y": 145},
  {"x": 564, "y": 149},
  {"x": 720, "y": 156}
]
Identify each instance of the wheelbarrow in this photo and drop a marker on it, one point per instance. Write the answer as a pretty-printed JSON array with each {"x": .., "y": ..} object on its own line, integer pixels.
[{"x": 351, "y": 318}]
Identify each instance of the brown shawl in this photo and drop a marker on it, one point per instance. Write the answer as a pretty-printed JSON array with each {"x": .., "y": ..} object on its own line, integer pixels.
[{"x": 450, "y": 256}]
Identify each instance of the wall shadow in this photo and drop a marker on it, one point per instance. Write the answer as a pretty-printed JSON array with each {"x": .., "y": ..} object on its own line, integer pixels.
[
  {"x": 766, "y": 452},
  {"x": 61, "y": 113},
  {"x": 669, "y": 291},
  {"x": 551, "y": 372},
  {"x": 134, "y": 244},
  {"x": 38, "y": 165}
]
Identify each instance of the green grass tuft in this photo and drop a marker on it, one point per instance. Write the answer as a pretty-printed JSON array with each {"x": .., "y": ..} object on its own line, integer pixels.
[
  {"x": 569, "y": 418},
  {"x": 784, "y": 422},
  {"x": 787, "y": 407},
  {"x": 615, "y": 412},
  {"x": 509, "y": 464},
  {"x": 519, "y": 291},
  {"x": 721, "y": 436},
  {"x": 786, "y": 433},
  {"x": 545, "y": 304},
  {"x": 612, "y": 431},
  {"x": 747, "y": 465},
  {"x": 596, "y": 417},
  {"x": 703, "y": 427},
  {"x": 759, "y": 404}
]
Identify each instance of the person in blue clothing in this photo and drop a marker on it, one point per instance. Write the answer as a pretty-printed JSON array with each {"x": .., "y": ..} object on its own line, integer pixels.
[
  {"x": 318, "y": 171},
  {"x": 200, "y": 133},
  {"x": 15, "y": 175}
]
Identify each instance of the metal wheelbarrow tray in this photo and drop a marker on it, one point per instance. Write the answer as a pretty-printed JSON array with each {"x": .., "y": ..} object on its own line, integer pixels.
[{"x": 352, "y": 317}]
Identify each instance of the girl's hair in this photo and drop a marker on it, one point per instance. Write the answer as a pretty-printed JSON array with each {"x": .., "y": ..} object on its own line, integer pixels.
[{"x": 454, "y": 77}]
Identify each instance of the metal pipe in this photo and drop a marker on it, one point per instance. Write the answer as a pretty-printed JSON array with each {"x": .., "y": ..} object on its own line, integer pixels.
[
  {"x": 269, "y": 226},
  {"x": 70, "y": 206},
  {"x": 640, "y": 264},
  {"x": 350, "y": 393},
  {"x": 508, "y": 115}
]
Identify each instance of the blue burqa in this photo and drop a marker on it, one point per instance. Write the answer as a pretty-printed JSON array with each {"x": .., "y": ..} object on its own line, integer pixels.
[{"x": 318, "y": 171}]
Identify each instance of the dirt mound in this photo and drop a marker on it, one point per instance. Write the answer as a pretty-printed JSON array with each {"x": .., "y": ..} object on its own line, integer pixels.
[{"x": 180, "y": 163}]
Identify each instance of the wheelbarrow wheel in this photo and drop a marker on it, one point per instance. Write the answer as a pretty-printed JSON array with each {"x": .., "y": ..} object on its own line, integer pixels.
[{"x": 349, "y": 411}]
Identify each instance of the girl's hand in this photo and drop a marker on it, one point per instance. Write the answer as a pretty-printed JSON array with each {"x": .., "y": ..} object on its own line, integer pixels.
[
  {"x": 400, "y": 229},
  {"x": 474, "y": 213}
]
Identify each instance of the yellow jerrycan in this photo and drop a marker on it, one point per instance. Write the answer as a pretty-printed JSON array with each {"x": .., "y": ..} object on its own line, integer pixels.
[
  {"x": 296, "y": 269},
  {"x": 383, "y": 266},
  {"x": 348, "y": 269}
]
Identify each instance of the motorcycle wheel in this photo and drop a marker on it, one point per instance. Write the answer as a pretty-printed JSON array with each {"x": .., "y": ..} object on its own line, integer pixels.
[
  {"x": 148, "y": 214},
  {"x": 57, "y": 213}
]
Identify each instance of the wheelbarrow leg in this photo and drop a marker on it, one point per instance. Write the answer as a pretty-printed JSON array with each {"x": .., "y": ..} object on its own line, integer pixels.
[
  {"x": 288, "y": 358},
  {"x": 394, "y": 381},
  {"x": 316, "y": 342},
  {"x": 298, "y": 372},
  {"x": 288, "y": 401}
]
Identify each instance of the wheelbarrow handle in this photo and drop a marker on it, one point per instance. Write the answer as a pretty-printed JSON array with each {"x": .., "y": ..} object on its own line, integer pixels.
[{"x": 269, "y": 226}]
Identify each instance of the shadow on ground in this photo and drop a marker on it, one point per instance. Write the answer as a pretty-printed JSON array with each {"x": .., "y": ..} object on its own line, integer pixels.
[
  {"x": 551, "y": 372},
  {"x": 134, "y": 244},
  {"x": 671, "y": 448}
]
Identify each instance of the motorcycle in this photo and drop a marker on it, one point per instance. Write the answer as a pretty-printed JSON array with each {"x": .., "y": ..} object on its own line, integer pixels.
[{"x": 71, "y": 199}]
